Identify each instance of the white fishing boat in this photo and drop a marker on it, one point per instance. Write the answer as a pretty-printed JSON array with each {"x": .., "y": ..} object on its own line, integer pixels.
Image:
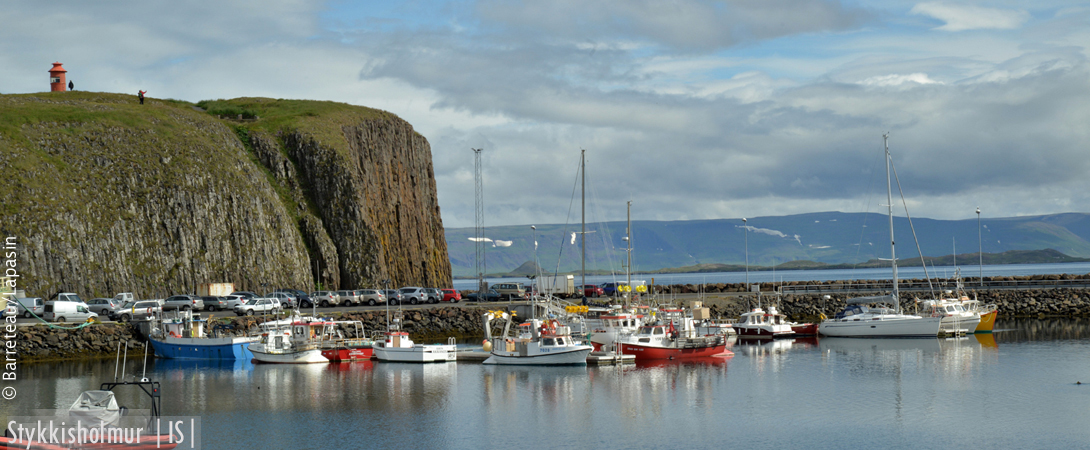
[
  {"x": 297, "y": 343},
  {"x": 762, "y": 324},
  {"x": 539, "y": 342},
  {"x": 396, "y": 346},
  {"x": 859, "y": 320}
]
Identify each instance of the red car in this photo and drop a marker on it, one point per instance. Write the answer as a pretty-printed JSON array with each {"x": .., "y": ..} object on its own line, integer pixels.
[
  {"x": 593, "y": 290},
  {"x": 452, "y": 295}
]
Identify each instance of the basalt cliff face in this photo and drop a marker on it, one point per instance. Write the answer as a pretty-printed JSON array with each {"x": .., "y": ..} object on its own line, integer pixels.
[{"x": 104, "y": 195}]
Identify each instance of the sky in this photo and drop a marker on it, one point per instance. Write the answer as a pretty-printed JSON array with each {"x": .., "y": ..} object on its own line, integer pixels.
[{"x": 688, "y": 109}]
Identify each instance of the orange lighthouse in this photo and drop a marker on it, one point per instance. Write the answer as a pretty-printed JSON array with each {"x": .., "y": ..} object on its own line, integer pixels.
[{"x": 56, "y": 78}]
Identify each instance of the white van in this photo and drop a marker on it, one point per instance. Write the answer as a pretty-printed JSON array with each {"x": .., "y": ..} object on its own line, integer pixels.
[{"x": 62, "y": 311}]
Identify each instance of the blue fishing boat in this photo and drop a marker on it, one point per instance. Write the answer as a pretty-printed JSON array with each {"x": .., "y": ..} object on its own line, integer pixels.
[{"x": 184, "y": 337}]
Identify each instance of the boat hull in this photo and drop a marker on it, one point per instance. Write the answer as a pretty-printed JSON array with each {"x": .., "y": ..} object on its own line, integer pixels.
[
  {"x": 805, "y": 329},
  {"x": 762, "y": 332},
  {"x": 416, "y": 353},
  {"x": 348, "y": 354},
  {"x": 574, "y": 356},
  {"x": 885, "y": 327},
  {"x": 987, "y": 322},
  {"x": 312, "y": 356},
  {"x": 648, "y": 352},
  {"x": 203, "y": 348},
  {"x": 968, "y": 324}
]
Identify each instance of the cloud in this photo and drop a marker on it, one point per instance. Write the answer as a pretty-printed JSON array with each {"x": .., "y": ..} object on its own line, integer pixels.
[
  {"x": 966, "y": 17},
  {"x": 898, "y": 79},
  {"x": 686, "y": 25}
]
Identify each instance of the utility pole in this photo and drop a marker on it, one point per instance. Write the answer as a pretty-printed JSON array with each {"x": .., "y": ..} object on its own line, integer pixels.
[{"x": 478, "y": 183}]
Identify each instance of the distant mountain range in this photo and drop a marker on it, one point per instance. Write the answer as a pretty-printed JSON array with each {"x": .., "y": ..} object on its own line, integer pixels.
[{"x": 813, "y": 240}]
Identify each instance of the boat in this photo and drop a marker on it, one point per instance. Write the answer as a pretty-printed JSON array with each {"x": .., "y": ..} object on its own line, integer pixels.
[
  {"x": 297, "y": 343},
  {"x": 761, "y": 324},
  {"x": 96, "y": 421},
  {"x": 674, "y": 338},
  {"x": 858, "y": 320},
  {"x": 663, "y": 342},
  {"x": 396, "y": 346},
  {"x": 338, "y": 348},
  {"x": 955, "y": 319},
  {"x": 185, "y": 337},
  {"x": 987, "y": 313},
  {"x": 611, "y": 326},
  {"x": 539, "y": 342}
]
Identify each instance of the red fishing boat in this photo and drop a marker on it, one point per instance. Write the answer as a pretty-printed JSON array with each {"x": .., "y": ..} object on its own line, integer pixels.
[{"x": 675, "y": 339}]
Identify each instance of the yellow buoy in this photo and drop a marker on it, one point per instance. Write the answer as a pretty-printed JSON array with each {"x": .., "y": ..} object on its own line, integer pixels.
[{"x": 487, "y": 346}]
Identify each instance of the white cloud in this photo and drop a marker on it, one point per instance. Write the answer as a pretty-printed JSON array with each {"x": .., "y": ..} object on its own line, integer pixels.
[
  {"x": 966, "y": 17},
  {"x": 898, "y": 80}
]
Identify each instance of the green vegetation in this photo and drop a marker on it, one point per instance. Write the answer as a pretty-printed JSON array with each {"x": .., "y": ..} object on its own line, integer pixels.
[{"x": 322, "y": 120}]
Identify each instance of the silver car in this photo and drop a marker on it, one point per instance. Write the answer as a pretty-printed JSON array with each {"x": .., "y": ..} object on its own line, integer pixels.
[
  {"x": 105, "y": 307},
  {"x": 26, "y": 306},
  {"x": 371, "y": 297}
]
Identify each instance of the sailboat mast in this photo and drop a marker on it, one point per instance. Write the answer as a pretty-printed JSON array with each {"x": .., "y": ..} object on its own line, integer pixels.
[
  {"x": 889, "y": 204},
  {"x": 583, "y": 215},
  {"x": 628, "y": 232}
]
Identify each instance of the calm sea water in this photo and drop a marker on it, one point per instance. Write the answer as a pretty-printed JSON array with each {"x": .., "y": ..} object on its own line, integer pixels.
[
  {"x": 1009, "y": 270},
  {"x": 1013, "y": 389}
]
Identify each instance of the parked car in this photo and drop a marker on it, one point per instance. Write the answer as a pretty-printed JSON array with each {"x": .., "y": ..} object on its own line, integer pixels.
[
  {"x": 233, "y": 301},
  {"x": 510, "y": 291},
  {"x": 245, "y": 294},
  {"x": 413, "y": 295},
  {"x": 67, "y": 297},
  {"x": 434, "y": 295},
  {"x": 287, "y": 300},
  {"x": 141, "y": 310},
  {"x": 325, "y": 298},
  {"x": 489, "y": 296},
  {"x": 348, "y": 298},
  {"x": 63, "y": 311},
  {"x": 591, "y": 290},
  {"x": 214, "y": 303},
  {"x": 302, "y": 299},
  {"x": 103, "y": 306},
  {"x": 393, "y": 296},
  {"x": 610, "y": 288},
  {"x": 183, "y": 302},
  {"x": 258, "y": 306},
  {"x": 371, "y": 297},
  {"x": 25, "y": 306},
  {"x": 451, "y": 295}
]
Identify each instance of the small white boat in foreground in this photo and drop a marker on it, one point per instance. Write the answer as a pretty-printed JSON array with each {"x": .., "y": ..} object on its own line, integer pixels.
[{"x": 294, "y": 344}]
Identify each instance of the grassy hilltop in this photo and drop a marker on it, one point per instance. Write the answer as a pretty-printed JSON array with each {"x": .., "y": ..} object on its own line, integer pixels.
[{"x": 106, "y": 195}]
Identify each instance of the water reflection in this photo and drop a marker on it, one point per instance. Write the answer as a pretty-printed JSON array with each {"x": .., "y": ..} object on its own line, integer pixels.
[{"x": 1025, "y": 330}]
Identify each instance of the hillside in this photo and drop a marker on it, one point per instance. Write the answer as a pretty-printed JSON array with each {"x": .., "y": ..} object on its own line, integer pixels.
[
  {"x": 105, "y": 195},
  {"x": 821, "y": 238}
]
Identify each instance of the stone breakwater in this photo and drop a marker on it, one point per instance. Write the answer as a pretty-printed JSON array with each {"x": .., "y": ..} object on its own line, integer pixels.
[
  {"x": 42, "y": 343},
  {"x": 1011, "y": 303}
]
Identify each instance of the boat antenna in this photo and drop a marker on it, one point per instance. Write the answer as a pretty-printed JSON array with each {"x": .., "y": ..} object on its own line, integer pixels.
[
  {"x": 125, "y": 361},
  {"x": 144, "y": 376},
  {"x": 117, "y": 363}
]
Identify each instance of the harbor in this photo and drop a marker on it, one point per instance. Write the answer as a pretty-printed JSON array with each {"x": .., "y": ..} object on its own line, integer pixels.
[{"x": 775, "y": 392}]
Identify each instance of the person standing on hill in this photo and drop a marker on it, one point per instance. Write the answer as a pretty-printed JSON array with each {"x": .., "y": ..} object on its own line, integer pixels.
[
  {"x": 141, "y": 95},
  {"x": 71, "y": 87}
]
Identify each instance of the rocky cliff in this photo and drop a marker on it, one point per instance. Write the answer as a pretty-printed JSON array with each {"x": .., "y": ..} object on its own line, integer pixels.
[{"x": 104, "y": 195}]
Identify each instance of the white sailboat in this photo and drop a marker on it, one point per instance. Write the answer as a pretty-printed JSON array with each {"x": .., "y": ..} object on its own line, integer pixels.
[{"x": 858, "y": 320}]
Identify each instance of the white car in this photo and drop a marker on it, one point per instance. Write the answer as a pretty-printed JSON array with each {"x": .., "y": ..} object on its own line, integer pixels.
[
  {"x": 259, "y": 306},
  {"x": 234, "y": 301}
]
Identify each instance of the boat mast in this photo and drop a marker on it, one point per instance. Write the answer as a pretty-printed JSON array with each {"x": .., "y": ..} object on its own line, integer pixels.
[
  {"x": 583, "y": 218},
  {"x": 889, "y": 204},
  {"x": 628, "y": 270}
]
